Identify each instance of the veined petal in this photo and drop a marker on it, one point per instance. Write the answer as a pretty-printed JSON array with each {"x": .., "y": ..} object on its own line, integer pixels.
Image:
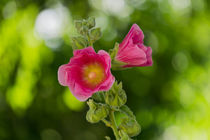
[
  {"x": 86, "y": 73},
  {"x": 132, "y": 55},
  {"x": 63, "y": 74}
]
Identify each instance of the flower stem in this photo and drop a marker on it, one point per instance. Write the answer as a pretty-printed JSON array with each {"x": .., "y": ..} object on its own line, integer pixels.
[{"x": 114, "y": 125}]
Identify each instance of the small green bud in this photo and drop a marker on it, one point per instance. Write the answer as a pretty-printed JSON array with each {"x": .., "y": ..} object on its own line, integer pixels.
[
  {"x": 96, "y": 112},
  {"x": 84, "y": 22},
  {"x": 79, "y": 42},
  {"x": 91, "y": 22},
  {"x": 78, "y": 25},
  {"x": 95, "y": 34},
  {"x": 123, "y": 135},
  {"x": 98, "y": 97},
  {"x": 84, "y": 30},
  {"x": 130, "y": 126},
  {"x": 107, "y": 138},
  {"x": 126, "y": 110},
  {"x": 116, "y": 96}
]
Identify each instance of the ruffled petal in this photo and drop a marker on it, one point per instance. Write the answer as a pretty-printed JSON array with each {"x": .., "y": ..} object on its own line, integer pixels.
[
  {"x": 106, "y": 58},
  {"x": 134, "y": 36},
  {"x": 63, "y": 74},
  {"x": 149, "y": 57},
  {"x": 72, "y": 74},
  {"x": 107, "y": 84},
  {"x": 79, "y": 93}
]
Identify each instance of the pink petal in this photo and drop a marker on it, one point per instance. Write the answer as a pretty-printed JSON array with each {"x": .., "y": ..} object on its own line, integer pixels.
[
  {"x": 106, "y": 58},
  {"x": 63, "y": 74},
  {"x": 85, "y": 50},
  {"x": 135, "y": 35},
  {"x": 107, "y": 84},
  {"x": 79, "y": 92},
  {"x": 132, "y": 55}
]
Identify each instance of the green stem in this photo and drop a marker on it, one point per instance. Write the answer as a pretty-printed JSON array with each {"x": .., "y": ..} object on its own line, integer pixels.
[
  {"x": 114, "y": 125},
  {"x": 90, "y": 43},
  {"x": 107, "y": 123}
]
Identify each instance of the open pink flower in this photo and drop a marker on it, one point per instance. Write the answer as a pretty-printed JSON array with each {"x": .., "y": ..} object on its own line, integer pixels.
[
  {"x": 132, "y": 50},
  {"x": 86, "y": 73}
]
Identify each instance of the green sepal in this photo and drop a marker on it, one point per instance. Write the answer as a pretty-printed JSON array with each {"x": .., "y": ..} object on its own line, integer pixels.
[
  {"x": 116, "y": 65},
  {"x": 95, "y": 34},
  {"x": 116, "y": 96},
  {"x": 79, "y": 42},
  {"x": 96, "y": 112},
  {"x": 130, "y": 126},
  {"x": 113, "y": 52}
]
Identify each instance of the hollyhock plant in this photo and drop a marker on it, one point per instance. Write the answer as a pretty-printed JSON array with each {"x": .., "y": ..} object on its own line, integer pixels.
[
  {"x": 132, "y": 51},
  {"x": 89, "y": 72},
  {"x": 86, "y": 73}
]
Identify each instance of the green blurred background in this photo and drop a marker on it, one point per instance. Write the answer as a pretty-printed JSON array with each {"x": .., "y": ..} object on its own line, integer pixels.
[{"x": 171, "y": 99}]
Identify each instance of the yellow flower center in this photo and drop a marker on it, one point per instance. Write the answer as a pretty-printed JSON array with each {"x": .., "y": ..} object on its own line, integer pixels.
[{"x": 93, "y": 74}]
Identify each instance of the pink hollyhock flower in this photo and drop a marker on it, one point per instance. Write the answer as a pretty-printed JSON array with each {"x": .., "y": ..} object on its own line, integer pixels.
[
  {"x": 86, "y": 73},
  {"x": 132, "y": 50}
]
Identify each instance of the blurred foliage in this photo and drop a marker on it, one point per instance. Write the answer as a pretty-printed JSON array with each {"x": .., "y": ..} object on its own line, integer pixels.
[{"x": 171, "y": 99}]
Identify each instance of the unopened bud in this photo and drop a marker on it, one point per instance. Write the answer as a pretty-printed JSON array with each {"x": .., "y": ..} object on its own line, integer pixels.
[
  {"x": 116, "y": 96},
  {"x": 79, "y": 42},
  {"x": 95, "y": 34},
  {"x": 91, "y": 22},
  {"x": 130, "y": 126},
  {"x": 96, "y": 112},
  {"x": 123, "y": 135},
  {"x": 78, "y": 25}
]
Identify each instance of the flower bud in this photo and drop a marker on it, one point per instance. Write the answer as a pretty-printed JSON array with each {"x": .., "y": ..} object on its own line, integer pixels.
[
  {"x": 123, "y": 135},
  {"x": 126, "y": 110},
  {"x": 130, "y": 126},
  {"x": 116, "y": 65},
  {"x": 116, "y": 96},
  {"x": 96, "y": 112},
  {"x": 95, "y": 34},
  {"x": 79, "y": 42},
  {"x": 98, "y": 96},
  {"x": 132, "y": 51},
  {"x": 91, "y": 22},
  {"x": 78, "y": 25}
]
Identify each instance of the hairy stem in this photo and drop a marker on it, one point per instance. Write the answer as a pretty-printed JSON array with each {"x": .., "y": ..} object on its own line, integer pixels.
[{"x": 114, "y": 125}]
